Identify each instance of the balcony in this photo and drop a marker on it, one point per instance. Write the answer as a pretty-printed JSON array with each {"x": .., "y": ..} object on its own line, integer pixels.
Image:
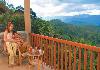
[
  {"x": 67, "y": 55},
  {"x": 60, "y": 55}
]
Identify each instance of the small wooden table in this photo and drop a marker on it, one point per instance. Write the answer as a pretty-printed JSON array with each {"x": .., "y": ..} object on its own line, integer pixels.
[
  {"x": 36, "y": 58},
  {"x": 36, "y": 55}
]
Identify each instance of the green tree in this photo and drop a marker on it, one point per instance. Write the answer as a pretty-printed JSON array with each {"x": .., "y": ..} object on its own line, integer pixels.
[{"x": 40, "y": 26}]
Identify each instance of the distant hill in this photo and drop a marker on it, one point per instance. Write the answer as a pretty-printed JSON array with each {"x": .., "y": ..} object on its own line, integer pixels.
[
  {"x": 78, "y": 20},
  {"x": 88, "y": 34}
]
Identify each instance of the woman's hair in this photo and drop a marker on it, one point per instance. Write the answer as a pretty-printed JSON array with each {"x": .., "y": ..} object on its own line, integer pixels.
[
  {"x": 8, "y": 25},
  {"x": 14, "y": 32}
]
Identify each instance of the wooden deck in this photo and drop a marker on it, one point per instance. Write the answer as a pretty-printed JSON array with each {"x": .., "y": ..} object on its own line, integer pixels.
[{"x": 4, "y": 65}]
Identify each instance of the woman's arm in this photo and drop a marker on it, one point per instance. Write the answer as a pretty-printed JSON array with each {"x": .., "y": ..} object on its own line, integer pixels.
[{"x": 5, "y": 37}]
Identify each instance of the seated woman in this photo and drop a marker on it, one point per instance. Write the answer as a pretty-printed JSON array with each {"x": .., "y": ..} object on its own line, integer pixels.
[{"x": 10, "y": 43}]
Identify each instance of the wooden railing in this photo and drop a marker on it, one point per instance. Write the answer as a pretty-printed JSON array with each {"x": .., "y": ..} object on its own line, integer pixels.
[{"x": 67, "y": 55}]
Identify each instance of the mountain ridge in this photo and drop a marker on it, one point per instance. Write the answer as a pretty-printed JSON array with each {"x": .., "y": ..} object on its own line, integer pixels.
[{"x": 84, "y": 19}]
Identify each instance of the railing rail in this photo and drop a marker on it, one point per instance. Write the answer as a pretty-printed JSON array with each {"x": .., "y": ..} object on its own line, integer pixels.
[{"x": 67, "y": 55}]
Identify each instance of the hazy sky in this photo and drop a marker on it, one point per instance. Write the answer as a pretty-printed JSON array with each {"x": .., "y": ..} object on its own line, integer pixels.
[{"x": 61, "y": 7}]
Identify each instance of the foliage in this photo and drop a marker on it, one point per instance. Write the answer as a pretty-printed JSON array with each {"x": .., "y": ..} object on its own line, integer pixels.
[
  {"x": 43, "y": 27},
  {"x": 16, "y": 15},
  {"x": 19, "y": 23},
  {"x": 84, "y": 34},
  {"x": 3, "y": 8}
]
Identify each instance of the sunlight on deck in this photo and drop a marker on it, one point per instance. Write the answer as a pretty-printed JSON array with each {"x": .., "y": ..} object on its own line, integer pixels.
[{"x": 4, "y": 65}]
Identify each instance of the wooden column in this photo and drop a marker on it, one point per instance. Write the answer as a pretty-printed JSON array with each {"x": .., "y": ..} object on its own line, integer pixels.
[{"x": 27, "y": 16}]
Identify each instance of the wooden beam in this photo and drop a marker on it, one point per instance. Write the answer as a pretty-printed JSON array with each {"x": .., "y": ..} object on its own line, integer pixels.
[{"x": 27, "y": 16}]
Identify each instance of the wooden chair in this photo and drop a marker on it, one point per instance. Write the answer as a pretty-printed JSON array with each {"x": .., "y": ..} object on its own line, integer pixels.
[
  {"x": 23, "y": 48},
  {"x": 23, "y": 51}
]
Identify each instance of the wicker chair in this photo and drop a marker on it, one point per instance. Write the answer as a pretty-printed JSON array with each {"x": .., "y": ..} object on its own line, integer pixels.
[
  {"x": 23, "y": 48},
  {"x": 23, "y": 51}
]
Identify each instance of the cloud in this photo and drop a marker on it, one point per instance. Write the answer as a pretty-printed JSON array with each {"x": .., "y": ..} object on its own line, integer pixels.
[
  {"x": 16, "y": 2},
  {"x": 62, "y": 7},
  {"x": 89, "y": 12},
  {"x": 54, "y": 8},
  {"x": 81, "y": 1},
  {"x": 47, "y": 8}
]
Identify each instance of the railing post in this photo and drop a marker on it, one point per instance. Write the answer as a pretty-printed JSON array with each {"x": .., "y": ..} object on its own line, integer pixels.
[
  {"x": 58, "y": 56},
  {"x": 74, "y": 68},
  {"x": 48, "y": 55},
  {"x": 37, "y": 41},
  {"x": 91, "y": 60},
  {"x": 40, "y": 42},
  {"x": 30, "y": 38},
  {"x": 85, "y": 59},
  {"x": 54, "y": 55},
  {"x": 66, "y": 58},
  {"x": 79, "y": 63},
  {"x": 98, "y": 61},
  {"x": 70, "y": 58},
  {"x": 34, "y": 40},
  {"x": 62, "y": 57},
  {"x": 47, "y": 51},
  {"x": 50, "y": 52}
]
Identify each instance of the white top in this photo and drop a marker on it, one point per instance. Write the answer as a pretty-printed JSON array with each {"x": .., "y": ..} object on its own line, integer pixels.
[{"x": 9, "y": 35}]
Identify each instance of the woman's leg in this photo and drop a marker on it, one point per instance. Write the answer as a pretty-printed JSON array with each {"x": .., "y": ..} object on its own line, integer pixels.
[
  {"x": 14, "y": 51},
  {"x": 14, "y": 48},
  {"x": 10, "y": 51}
]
